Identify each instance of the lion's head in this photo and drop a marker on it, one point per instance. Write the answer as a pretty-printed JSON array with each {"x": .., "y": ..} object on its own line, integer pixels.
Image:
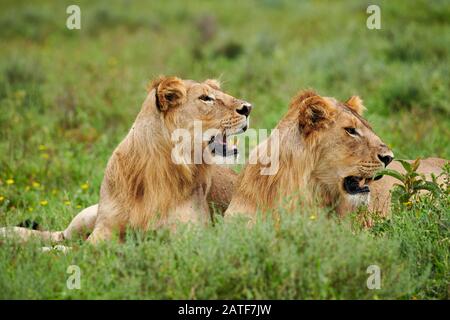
[
  {"x": 347, "y": 151},
  {"x": 186, "y": 103},
  {"x": 327, "y": 151}
]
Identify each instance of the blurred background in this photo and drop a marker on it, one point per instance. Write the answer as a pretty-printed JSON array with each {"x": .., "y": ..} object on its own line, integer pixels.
[{"x": 67, "y": 97}]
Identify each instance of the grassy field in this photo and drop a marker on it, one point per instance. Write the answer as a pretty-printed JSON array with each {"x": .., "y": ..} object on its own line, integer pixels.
[{"x": 67, "y": 97}]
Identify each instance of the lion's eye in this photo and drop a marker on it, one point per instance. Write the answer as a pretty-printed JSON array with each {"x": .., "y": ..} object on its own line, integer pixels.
[
  {"x": 351, "y": 131},
  {"x": 206, "y": 98}
]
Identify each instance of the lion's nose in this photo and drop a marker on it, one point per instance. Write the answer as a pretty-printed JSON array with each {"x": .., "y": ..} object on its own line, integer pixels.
[
  {"x": 245, "y": 109},
  {"x": 385, "y": 158}
]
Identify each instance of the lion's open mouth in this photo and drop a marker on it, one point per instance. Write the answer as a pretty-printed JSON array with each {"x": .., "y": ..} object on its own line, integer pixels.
[
  {"x": 355, "y": 185},
  {"x": 221, "y": 146}
]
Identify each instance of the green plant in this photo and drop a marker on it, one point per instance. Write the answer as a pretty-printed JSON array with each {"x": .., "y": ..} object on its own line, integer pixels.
[
  {"x": 420, "y": 221},
  {"x": 412, "y": 182}
]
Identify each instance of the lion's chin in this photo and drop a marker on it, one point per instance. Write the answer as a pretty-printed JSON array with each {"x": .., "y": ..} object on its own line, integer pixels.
[
  {"x": 357, "y": 190},
  {"x": 359, "y": 199}
]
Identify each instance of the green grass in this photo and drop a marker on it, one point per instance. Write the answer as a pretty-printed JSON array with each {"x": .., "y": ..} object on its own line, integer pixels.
[{"x": 68, "y": 97}]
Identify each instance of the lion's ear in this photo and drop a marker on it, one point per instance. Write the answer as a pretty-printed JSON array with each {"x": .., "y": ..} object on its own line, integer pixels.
[
  {"x": 170, "y": 92},
  {"x": 315, "y": 113},
  {"x": 213, "y": 83},
  {"x": 356, "y": 104}
]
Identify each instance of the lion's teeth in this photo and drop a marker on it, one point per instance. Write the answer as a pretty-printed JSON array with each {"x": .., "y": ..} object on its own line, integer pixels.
[{"x": 362, "y": 183}]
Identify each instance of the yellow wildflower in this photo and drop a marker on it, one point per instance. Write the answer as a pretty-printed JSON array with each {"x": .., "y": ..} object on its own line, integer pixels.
[
  {"x": 10, "y": 181},
  {"x": 67, "y": 203},
  {"x": 312, "y": 217},
  {"x": 54, "y": 191},
  {"x": 45, "y": 156},
  {"x": 36, "y": 184},
  {"x": 78, "y": 206},
  {"x": 27, "y": 188},
  {"x": 44, "y": 202},
  {"x": 42, "y": 147},
  {"x": 85, "y": 186},
  {"x": 2, "y": 198},
  {"x": 30, "y": 209},
  {"x": 408, "y": 204}
]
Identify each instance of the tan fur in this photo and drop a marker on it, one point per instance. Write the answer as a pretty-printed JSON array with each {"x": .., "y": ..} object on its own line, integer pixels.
[
  {"x": 142, "y": 187},
  {"x": 316, "y": 154},
  {"x": 223, "y": 181},
  {"x": 356, "y": 104}
]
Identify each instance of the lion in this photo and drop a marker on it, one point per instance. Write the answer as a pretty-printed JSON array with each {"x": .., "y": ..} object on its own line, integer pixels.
[
  {"x": 145, "y": 186},
  {"x": 329, "y": 156}
]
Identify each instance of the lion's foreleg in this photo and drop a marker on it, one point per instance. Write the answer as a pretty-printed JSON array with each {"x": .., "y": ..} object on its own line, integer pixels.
[
  {"x": 83, "y": 223},
  {"x": 110, "y": 218},
  {"x": 24, "y": 234},
  {"x": 101, "y": 232}
]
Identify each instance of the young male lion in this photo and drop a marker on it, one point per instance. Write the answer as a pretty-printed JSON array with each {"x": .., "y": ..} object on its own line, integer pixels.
[
  {"x": 329, "y": 155},
  {"x": 145, "y": 185}
]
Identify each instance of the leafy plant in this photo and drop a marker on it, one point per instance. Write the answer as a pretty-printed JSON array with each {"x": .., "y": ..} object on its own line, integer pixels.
[{"x": 412, "y": 182}]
